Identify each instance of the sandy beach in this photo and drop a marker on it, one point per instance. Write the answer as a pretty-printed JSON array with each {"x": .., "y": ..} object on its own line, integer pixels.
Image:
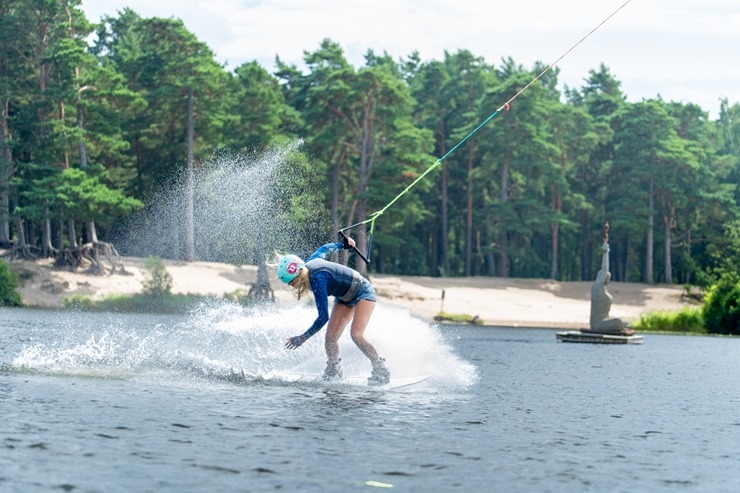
[{"x": 496, "y": 301}]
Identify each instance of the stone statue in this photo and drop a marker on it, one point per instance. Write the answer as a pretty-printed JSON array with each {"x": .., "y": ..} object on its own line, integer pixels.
[{"x": 601, "y": 300}]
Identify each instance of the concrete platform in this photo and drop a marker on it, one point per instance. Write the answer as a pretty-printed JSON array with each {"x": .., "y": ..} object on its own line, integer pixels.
[{"x": 590, "y": 337}]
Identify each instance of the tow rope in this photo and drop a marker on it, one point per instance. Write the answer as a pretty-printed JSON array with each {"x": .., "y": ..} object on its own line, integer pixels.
[{"x": 375, "y": 215}]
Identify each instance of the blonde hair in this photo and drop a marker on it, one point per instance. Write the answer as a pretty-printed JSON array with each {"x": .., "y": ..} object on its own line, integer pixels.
[{"x": 303, "y": 283}]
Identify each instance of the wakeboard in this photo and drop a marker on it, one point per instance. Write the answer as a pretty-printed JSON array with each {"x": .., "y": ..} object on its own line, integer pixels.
[{"x": 354, "y": 381}]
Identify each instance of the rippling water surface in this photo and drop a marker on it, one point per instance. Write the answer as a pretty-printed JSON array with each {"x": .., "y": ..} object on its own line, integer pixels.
[{"x": 120, "y": 403}]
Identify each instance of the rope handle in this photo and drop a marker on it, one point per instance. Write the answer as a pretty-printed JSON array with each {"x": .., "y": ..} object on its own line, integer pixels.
[{"x": 345, "y": 242}]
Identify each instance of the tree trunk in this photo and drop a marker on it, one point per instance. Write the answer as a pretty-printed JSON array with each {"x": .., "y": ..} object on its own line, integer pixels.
[
  {"x": 627, "y": 260},
  {"x": 554, "y": 239},
  {"x": 668, "y": 221},
  {"x": 503, "y": 256},
  {"x": 47, "y": 249},
  {"x": 21, "y": 240},
  {"x": 6, "y": 173},
  {"x": 189, "y": 220},
  {"x": 336, "y": 171},
  {"x": 367, "y": 156},
  {"x": 4, "y": 205},
  {"x": 469, "y": 216},
  {"x": 444, "y": 236},
  {"x": 667, "y": 254},
  {"x": 21, "y": 247},
  {"x": 71, "y": 233},
  {"x": 490, "y": 258},
  {"x": 81, "y": 144},
  {"x": 649, "y": 235},
  {"x": 584, "y": 251},
  {"x": 557, "y": 207},
  {"x": 90, "y": 229},
  {"x": 687, "y": 274},
  {"x": 60, "y": 234},
  {"x": 261, "y": 291},
  {"x": 92, "y": 234},
  {"x": 362, "y": 239},
  {"x": 65, "y": 154}
]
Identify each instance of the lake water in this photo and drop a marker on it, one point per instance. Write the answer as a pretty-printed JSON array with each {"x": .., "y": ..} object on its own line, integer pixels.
[{"x": 124, "y": 403}]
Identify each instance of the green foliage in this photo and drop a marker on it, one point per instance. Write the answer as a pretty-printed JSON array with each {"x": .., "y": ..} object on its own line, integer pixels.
[
  {"x": 458, "y": 318},
  {"x": 138, "y": 303},
  {"x": 162, "y": 61},
  {"x": 687, "y": 320},
  {"x": 8, "y": 283},
  {"x": 158, "y": 283},
  {"x": 79, "y": 302},
  {"x": 264, "y": 112},
  {"x": 722, "y": 305},
  {"x": 99, "y": 131},
  {"x": 77, "y": 193},
  {"x": 145, "y": 303},
  {"x": 722, "y": 259}
]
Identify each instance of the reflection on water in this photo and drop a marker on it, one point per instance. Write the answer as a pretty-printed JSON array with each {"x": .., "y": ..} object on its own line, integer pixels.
[{"x": 96, "y": 402}]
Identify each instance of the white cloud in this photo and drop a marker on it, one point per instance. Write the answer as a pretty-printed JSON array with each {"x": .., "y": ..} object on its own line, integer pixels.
[{"x": 681, "y": 49}]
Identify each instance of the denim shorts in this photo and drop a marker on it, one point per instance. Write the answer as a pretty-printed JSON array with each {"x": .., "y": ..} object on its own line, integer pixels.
[{"x": 366, "y": 291}]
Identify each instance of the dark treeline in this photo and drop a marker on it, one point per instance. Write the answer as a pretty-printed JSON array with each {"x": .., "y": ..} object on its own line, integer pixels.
[{"x": 95, "y": 118}]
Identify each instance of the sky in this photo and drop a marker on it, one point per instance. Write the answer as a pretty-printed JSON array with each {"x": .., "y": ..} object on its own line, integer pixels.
[{"x": 680, "y": 50}]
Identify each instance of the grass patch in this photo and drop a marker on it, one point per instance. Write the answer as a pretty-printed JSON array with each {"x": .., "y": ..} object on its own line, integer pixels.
[
  {"x": 172, "y": 304},
  {"x": 137, "y": 303},
  {"x": 458, "y": 318},
  {"x": 78, "y": 302},
  {"x": 686, "y": 321}
]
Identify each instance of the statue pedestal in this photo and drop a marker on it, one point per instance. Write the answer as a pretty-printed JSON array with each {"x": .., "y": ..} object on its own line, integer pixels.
[{"x": 592, "y": 338}]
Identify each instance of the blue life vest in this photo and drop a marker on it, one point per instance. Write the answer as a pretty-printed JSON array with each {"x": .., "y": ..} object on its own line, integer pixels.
[{"x": 344, "y": 281}]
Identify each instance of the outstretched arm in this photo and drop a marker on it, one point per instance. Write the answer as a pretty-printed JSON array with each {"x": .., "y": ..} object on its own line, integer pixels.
[
  {"x": 605, "y": 257},
  {"x": 326, "y": 250},
  {"x": 319, "y": 288}
]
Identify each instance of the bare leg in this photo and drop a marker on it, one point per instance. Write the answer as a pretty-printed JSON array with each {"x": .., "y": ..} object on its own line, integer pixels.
[
  {"x": 363, "y": 311},
  {"x": 340, "y": 315}
]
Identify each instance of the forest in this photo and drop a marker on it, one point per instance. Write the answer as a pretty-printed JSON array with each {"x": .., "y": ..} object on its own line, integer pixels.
[{"x": 99, "y": 117}]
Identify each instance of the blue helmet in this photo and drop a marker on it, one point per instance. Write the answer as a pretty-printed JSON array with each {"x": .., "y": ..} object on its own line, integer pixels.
[{"x": 289, "y": 267}]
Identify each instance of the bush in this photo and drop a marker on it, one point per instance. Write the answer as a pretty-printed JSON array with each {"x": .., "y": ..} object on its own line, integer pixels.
[
  {"x": 143, "y": 303},
  {"x": 137, "y": 303},
  {"x": 722, "y": 306},
  {"x": 78, "y": 302},
  {"x": 8, "y": 284},
  {"x": 458, "y": 318},
  {"x": 159, "y": 281},
  {"x": 688, "y": 319}
]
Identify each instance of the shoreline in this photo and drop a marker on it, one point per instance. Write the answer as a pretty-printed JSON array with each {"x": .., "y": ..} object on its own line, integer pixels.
[{"x": 498, "y": 302}]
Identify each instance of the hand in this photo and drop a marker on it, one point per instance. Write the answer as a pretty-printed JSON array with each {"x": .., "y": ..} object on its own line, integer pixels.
[
  {"x": 295, "y": 342},
  {"x": 347, "y": 242}
]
